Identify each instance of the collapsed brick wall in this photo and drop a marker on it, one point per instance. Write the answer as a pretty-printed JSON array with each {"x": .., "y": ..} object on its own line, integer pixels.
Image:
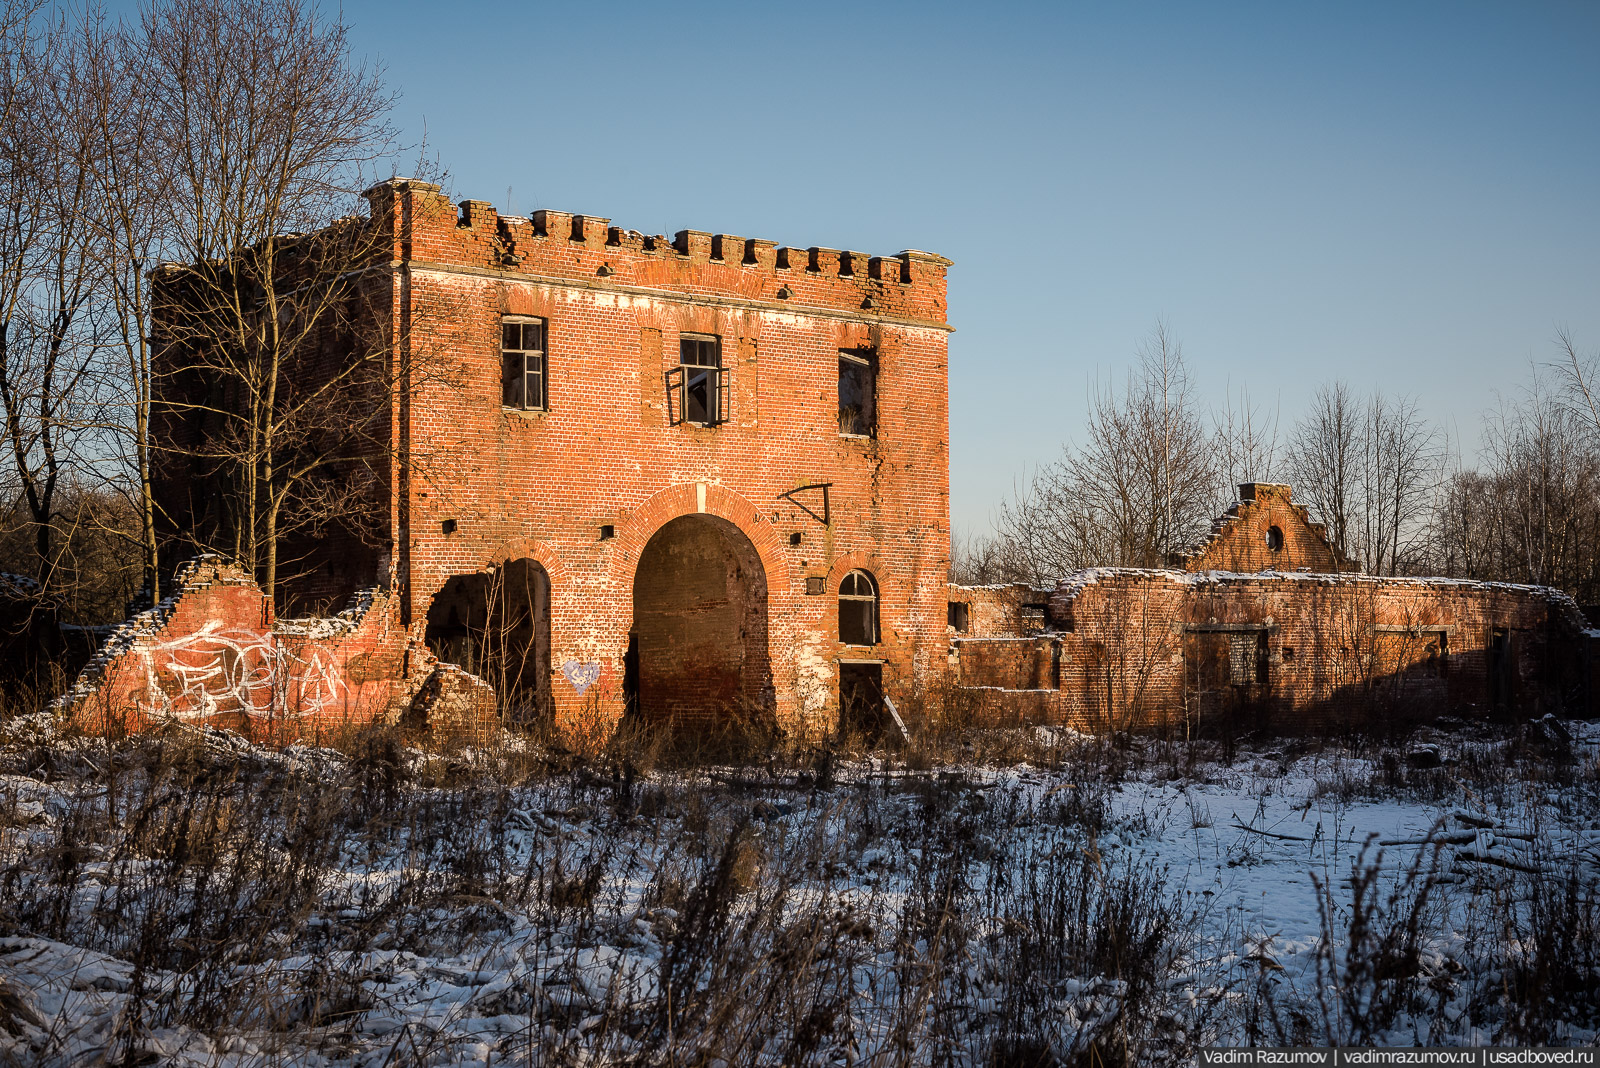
[
  {"x": 213, "y": 654},
  {"x": 1223, "y": 653}
]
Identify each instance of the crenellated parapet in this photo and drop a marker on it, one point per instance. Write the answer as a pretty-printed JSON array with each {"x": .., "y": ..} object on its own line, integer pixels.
[{"x": 586, "y": 250}]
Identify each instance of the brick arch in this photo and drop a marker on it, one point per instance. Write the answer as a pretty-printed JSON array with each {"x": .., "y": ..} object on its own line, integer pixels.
[
  {"x": 528, "y": 549},
  {"x": 505, "y": 552},
  {"x": 675, "y": 501},
  {"x": 857, "y": 561}
]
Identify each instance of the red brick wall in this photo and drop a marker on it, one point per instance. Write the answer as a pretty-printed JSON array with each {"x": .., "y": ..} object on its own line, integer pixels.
[
  {"x": 1011, "y": 663},
  {"x": 212, "y": 654},
  {"x": 1240, "y": 541},
  {"x": 541, "y": 485}
]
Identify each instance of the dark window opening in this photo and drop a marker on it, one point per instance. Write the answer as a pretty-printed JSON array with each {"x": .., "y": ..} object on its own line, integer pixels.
[
  {"x": 794, "y": 539},
  {"x": 858, "y": 609},
  {"x": 607, "y": 532},
  {"x": 1274, "y": 539},
  {"x": 1438, "y": 650},
  {"x": 1501, "y": 666},
  {"x": 1288, "y": 652},
  {"x": 858, "y": 373},
  {"x": 448, "y": 526},
  {"x": 1247, "y": 658},
  {"x": 956, "y": 616},
  {"x": 702, "y": 384},
  {"x": 523, "y": 379}
]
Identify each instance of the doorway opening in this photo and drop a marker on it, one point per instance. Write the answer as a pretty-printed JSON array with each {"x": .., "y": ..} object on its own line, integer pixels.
[
  {"x": 496, "y": 624},
  {"x": 861, "y": 708}
]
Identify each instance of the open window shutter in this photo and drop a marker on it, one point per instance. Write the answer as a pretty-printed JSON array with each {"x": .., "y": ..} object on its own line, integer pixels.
[
  {"x": 674, "y": 379},
  {"x": 724, "y": 376}
]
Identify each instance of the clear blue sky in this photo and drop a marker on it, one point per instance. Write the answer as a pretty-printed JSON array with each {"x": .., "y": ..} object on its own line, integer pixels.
[{"x": 1404, "y": 194}]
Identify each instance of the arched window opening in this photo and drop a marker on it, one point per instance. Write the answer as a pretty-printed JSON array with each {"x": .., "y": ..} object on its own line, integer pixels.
[{"x": 858, "y": 609}]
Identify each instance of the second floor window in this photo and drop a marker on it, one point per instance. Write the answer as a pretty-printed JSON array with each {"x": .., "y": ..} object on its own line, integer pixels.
[
  {"x": 524, "y": 381},
  {"x": 857, "y": 385},
  {"x": 701, "y": 383}
]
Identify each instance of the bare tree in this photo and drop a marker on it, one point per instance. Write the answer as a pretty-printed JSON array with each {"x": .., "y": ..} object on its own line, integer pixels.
[
  {"x": 267, "y": 131},
  {"x": 1245, "y": 438},
  {"x": 1140, "y": 488},
  {"x": 51, "y": 385},
  {"x": 1398, "y": 476},
  {"x": 1368, "y": 469},
  {"x": 1323, "y": 459},
  {"x": 983, "y": 559},
  {"x": 1531, "y": 513},
  {"x": 101, "y": 90}
]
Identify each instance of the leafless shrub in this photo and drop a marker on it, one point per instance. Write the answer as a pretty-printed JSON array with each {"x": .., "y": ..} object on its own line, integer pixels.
[
  {"x": 1370, "y": 957},
  {"x": 1547, "y": 961}
]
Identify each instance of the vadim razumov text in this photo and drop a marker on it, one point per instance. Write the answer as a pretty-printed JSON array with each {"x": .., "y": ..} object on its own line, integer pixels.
[{"x": 1367, "y": 1057}]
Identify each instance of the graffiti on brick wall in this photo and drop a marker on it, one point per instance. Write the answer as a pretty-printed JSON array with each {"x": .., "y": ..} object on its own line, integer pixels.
[
  {"x": 581, "y": 675},
  {"x": 219, "y": 671}
]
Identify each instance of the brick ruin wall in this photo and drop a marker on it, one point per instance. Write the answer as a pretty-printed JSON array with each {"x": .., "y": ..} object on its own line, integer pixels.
[
  {"x": 1266, "y": 531},
  {"x": 212, "y": 654},
  {"x": 1219, "y": 653}
]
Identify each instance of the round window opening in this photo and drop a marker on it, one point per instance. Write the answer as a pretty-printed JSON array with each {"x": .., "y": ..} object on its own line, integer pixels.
[{"x": 1274, "y": 539}]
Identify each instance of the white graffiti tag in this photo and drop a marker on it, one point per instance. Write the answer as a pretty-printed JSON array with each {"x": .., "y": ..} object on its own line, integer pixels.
[
  {"x": 217, "y": 671},
  {"x": 581, "y": 675}
]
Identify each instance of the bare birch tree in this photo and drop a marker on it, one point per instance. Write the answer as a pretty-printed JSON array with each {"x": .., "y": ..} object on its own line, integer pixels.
[{"x": 267, "y": 130}]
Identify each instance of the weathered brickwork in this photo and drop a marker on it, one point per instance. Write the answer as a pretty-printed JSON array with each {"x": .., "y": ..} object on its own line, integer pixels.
[
  {"x": 1266, "y": 531},
  {"x": 1214, "y": 651},
  {"x": 686, "y": 563},
  {"x": 629, "y": 508}
]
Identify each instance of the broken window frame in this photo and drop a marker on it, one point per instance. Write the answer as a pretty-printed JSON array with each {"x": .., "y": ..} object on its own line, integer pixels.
[
  {"x": 1248, "y": 658},
  {"x": 858, "y": 417},
  {"x": 859, "y": 608},
  {"x": 699, "y": 362},
  {"x": 531, "y": 377}
]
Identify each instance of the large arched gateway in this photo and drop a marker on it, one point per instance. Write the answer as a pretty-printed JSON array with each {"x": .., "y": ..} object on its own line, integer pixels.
[{"x": 697, "y": 652}]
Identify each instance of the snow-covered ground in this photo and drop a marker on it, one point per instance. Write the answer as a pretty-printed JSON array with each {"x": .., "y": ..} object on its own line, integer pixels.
[{"x": 203, "y": 902}]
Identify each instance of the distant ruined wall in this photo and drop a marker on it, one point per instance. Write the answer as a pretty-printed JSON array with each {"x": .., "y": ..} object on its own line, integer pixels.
[
  {"x": 1219, "y": 653},
  {"x": 1266, "y": 531}
]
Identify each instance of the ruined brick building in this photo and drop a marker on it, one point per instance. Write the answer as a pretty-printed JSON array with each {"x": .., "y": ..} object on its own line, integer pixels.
[
  {"x": 705, "y": 480},
  {"x": 1267, "y": 626},
  {"x": 704, "y": 477}
]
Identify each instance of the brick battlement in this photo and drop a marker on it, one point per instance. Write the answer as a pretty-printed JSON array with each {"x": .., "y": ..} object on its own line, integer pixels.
[{"x": 568, "y": 248}]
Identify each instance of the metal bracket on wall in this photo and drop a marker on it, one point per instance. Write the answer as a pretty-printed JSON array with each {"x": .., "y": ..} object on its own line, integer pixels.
[{"x": 826, "y": 518}]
